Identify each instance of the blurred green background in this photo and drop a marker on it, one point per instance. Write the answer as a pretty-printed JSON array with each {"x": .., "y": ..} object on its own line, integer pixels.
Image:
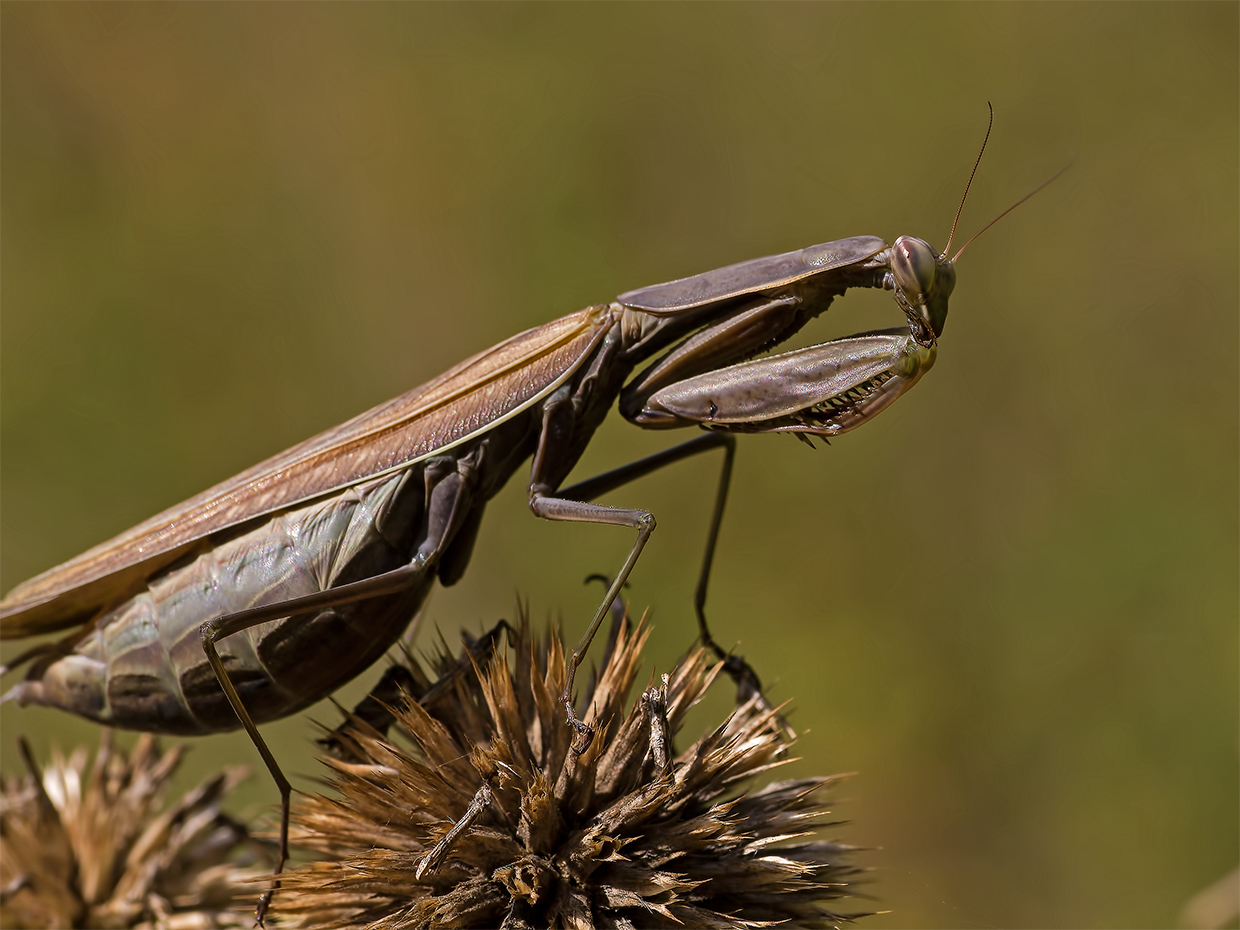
[{"x": 1009, "y": 604}]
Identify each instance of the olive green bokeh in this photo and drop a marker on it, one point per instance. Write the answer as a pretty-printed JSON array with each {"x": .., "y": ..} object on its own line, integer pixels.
[{"x": 1010, "y": 603}]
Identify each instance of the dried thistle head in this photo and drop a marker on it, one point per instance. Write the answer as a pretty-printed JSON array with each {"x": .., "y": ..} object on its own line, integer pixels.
[
  {"x": 94, "y": 848},
  {"x": 490, "y": 819}
]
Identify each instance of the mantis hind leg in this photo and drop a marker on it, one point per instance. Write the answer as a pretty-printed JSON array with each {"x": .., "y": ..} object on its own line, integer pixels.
[
  {"x": 213, "y": 631},
  {"x": 449, "y": 483}
]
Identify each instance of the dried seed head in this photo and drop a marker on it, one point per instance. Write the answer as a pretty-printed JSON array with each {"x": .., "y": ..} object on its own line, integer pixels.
[
  {"x": 490, "y": 820},
  {"x": 92, "y": 848}
]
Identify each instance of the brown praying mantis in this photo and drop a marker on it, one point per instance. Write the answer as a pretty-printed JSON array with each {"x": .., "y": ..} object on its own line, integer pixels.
[{"x": 270, "y": 590}]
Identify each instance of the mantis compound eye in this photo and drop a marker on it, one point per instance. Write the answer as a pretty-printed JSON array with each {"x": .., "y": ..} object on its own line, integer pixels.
[
  {"x": 914, "y": 262},
  {"x": 924, "y": 281}
]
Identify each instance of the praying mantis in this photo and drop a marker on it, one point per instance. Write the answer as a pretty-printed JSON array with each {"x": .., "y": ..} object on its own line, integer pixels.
[{"x": 270, "y": 590}]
